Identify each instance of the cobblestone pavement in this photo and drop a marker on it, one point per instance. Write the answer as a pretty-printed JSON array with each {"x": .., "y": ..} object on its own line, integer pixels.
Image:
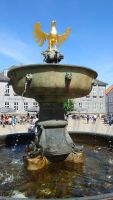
[{"x": 73, "y": 125}]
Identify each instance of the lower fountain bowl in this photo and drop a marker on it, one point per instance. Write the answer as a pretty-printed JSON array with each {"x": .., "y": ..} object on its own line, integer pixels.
[{"x": 97, "y": 149}]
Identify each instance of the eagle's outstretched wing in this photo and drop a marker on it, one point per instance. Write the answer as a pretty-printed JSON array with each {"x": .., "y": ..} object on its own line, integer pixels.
[
  {"x": 39, "y": 34},
  {"x": 62, "y": 38}
]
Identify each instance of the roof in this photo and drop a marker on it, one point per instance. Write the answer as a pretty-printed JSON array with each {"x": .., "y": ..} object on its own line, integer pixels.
[
  {"x": 3, "y": 78},
  {"x": 109, "y": 89},
  {"x": 101, "y": 83}
]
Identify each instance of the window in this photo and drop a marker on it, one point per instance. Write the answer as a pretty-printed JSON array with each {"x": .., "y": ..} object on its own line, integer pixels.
[
  {"x": 87, "y": 105},
  {"x": 80, "y": 104},
  {"x": 35, "y": 104},
  {"x": 7, "y": 104},
  {"x": 15, "y": 105},
  {"x": 94, "y": 92},
  {"x": 101, "y": 105},
  {"x": 101, "y": 93},
  {"x": 25, "y": 105},
  {"x": 110, "y": 99},
  {"x": 7, "y": 90},
  {"x": 95, "y": 106}
]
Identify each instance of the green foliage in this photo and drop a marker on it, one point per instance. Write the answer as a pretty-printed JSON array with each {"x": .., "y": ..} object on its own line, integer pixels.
[{"x": 69, "y": 105}]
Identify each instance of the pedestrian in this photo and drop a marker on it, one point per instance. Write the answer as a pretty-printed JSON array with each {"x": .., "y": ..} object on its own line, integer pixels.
[
  {"x": 13, "y": 120},
  {"x": 94, "y": 118},
  {"x": 109, "y": 120},
  {"x": 3, "y": 120},
  {"x": 87, "y": 117}
]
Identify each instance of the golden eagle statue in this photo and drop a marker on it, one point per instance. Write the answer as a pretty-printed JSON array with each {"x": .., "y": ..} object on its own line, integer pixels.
[{"x": 53, "y": 38}]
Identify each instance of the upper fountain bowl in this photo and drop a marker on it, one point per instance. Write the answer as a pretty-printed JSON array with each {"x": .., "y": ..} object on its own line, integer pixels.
[{"x": 52, "y": 82}]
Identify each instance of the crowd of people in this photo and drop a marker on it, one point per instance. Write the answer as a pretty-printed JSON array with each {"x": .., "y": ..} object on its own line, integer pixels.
[
  {"x": 87, "y": 117},
  {"x": 32, "y": 118},
  {"x": 21, "y": 119},
  {"x": 107, "y": 119}
]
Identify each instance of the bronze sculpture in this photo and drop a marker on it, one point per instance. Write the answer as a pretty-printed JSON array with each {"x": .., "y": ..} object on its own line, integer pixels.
[
  {"x": 52, "y": 54},
  {"x": 53, "y": 38}
]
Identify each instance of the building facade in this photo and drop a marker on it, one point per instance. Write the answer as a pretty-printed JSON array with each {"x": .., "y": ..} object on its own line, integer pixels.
[
  {"x": 95, "y": 102},
  {"x": 8, "y": 98},
  {"x": 109, "y": 100}
]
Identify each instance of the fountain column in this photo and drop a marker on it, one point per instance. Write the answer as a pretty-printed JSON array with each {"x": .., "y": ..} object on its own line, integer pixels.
[
  {"x": 51, "y": 111},
  {"x": 53, "y": 140}
]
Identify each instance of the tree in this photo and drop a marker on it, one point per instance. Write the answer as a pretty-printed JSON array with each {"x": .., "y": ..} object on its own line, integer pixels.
[{"x": 68, "y": 105}]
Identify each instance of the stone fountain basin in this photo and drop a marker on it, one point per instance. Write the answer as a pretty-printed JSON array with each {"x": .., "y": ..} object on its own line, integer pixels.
[
  {"x": 80, "y": 138},
  {"x": 49, "y": 81}
]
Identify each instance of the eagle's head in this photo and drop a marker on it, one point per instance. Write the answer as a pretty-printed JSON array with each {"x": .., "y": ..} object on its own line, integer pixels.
[{"x": 53, "y": 23}]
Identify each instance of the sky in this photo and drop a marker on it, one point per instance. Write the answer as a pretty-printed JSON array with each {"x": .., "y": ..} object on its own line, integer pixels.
[{"x": 90, "y": 43}]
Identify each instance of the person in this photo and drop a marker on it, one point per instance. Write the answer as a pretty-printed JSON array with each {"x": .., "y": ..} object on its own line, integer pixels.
[
  {"x": 35, "y": 119},
  {"x": 10, "y": 120},
  {"x": 94, "y": 118},
  {"x": 110, "y": 120},
  {"x": 13, "y": 120},
  {"x": 3, "y": 120},
  {"x": 87, "y": 117},
  {"x": 28, "y": 117},
  {"x": 32, "y": 128}
]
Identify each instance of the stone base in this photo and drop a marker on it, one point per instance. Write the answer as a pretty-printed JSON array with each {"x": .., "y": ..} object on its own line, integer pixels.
[{"x": 41, "y": 162}]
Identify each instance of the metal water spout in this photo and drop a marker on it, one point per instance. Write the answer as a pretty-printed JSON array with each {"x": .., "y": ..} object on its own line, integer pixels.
[{"x": 28, "y": 79}]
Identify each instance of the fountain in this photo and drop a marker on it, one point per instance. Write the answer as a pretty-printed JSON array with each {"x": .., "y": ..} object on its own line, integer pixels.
[
  {"x": 50, "y": 85},
  {"x": 50, "y": 156}
]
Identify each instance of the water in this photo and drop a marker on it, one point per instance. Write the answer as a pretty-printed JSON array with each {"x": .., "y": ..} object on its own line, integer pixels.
[{"x": 93, "y": 177}]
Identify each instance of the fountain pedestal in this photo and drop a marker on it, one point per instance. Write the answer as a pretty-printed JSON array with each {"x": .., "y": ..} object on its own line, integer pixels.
[{"x": 54, "y": 141}]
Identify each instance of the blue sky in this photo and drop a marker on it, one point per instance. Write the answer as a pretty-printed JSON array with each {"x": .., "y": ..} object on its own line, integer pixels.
[{"x": 90, "y": 43}]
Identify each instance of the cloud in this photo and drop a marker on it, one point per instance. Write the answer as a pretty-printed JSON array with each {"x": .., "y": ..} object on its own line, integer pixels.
[{"x": 17, "y": 50}]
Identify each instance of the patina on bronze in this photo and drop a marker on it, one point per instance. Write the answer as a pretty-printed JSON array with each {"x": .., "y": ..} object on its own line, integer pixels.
[{"x": 51, "y": 84}]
